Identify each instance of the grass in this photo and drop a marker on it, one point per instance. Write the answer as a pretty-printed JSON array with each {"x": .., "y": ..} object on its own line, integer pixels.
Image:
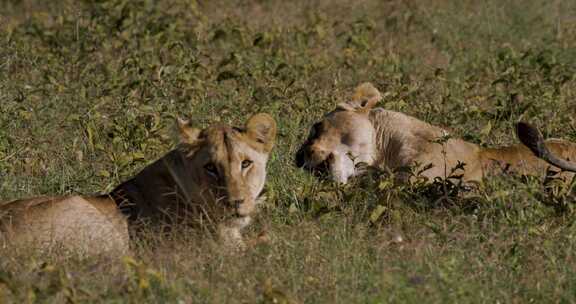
[{"x": 89, "y": 91}]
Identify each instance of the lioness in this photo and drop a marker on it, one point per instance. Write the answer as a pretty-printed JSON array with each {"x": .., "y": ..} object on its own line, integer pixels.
[
  {"x": 213, "y": 176},
  {"x": 356, "y": 135}
]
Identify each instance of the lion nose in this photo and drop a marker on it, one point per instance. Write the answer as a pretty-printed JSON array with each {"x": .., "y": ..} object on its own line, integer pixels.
[
  {"x": 327, "y": 162},
  {"x": 330, "y": 158}
]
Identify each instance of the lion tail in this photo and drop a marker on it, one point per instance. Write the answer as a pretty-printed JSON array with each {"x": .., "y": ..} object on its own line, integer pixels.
[{"x": 532, "y": 138}]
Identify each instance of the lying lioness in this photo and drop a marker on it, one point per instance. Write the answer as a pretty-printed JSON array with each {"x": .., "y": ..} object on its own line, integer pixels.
[
  {"x": 356, "y": 135},
  {"x": 214, "y": 176}
]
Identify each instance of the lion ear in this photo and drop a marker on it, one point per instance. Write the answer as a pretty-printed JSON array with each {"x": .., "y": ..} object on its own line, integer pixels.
[
  {"x": 262, "y": 128},
  {"x": 187, "y": 133},
  {"x": 365, "y": 98}
]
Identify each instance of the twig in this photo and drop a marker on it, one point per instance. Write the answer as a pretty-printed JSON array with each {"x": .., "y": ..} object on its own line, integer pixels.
[{"x": 11, "y": 155}]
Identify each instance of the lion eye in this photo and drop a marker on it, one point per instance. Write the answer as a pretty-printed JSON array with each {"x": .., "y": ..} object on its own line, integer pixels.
[
  {"x": 246, "y": 163},
  {"x": 211, "y": 169}
]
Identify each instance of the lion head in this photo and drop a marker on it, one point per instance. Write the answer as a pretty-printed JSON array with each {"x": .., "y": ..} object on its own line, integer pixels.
[
  {"x": 227, "y": 165},
  {"x": 343, "y": 142}
]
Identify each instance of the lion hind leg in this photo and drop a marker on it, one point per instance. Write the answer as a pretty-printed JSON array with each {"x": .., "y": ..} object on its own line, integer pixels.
[{"x": 72, "y": 223}]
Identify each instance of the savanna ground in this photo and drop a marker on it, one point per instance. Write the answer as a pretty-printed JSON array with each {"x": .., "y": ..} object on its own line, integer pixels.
[{"x": 89, "y": 91}]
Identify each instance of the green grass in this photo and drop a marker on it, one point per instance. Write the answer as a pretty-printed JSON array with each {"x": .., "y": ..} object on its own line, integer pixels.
[{"x": 89, "y": 91}]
